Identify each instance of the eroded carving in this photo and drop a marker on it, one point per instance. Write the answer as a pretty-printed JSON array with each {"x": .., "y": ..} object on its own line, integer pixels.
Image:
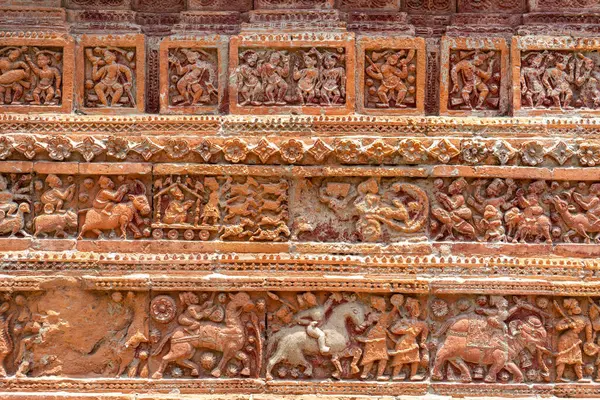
[
  {"x": 15, "y": 204},
  {"x": 391, "y": 78},
  {"x": 110, "y": 77},
  {"x": 193, "y": 77},
  {"x": 474, "y": 80},
  {"x": 273, "y": 77},
  {"x": 30, "y": 76},
  {"x": 560, "y": 79}
]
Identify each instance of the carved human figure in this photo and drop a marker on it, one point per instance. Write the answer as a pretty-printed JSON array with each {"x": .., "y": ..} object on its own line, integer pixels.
[
  {"x": 49, "y": 80},
  {"x": 532, "y": 87},
  {"x": 107, "y": 198},
  {"x": 293, "y": 343},
  {"x": 211, "y": 215},
  {"x": 15, "y": 75},
  {"x": 308, "y": 77},
  {"x": 532, "y": 221},
  {"x": 197, "y": 79},
  {"x": 453, "y": 213},
  {"x": 110, "y": 77},
  {"x": 491, "y": 204},
  {"x": 312, "y": 316},
  {"x": 176, "y": 211},
  {"x": 273, "y": 74},
  {"x": 227, "y": 337},
  {"x": 569, "y": 342},
  {"x": 6, "y": 343},
  {"x": 471, "y": 73},
  {"x": 26, "y": 331},
  {"x": 392, "y": 75},
  {"x": 54, "y": 198},
  {"x": 588, "y": 80},
  {"x": 408, "y": 348},
  {"x": 333, "y": 80},
  {"x": 375, "y": 340},
  {"x": 557, "y": 81},
  {"x": 249, "y": 83},
  {"x": 109, "y": 212}
]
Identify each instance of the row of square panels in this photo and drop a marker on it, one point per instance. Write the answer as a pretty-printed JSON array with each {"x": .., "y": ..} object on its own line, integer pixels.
[{"x": 299, "y": 73}]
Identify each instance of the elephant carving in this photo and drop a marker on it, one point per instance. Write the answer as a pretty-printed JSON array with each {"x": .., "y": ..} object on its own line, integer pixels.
[{"x": 471, "y": 339}]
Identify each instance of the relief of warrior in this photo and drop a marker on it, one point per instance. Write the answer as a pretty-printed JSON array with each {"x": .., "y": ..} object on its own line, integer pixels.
[
  {"x": 248, "y": 79},
  {"x": 531, "y": 80},
  {"x": 333, "y": 81},
  {"x": 392, "y": 74},
  {"x": 474, "y": 78},
  {"x": 557, "y": 82}
]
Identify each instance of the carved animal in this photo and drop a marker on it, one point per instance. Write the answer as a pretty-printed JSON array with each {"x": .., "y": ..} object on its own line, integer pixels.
[
  {"x": 276, "y": 189},
  {"x": 272, "y": 235},
  {"x": 57, "y": 223},
  {"x": 525, "y": 227},
  {"x": 577, "y": 222},
  {"x": 292, "y": 344},
  {"x": 122, "y": 216},
  {"x": 272, "y": 205},
  {"x": 238, "y": 231},
  {"x": 242, "y": 209},
  {"x": 497, "y": 352},
  {"x": 228, "y": 339},
  {"x": 15, "y": 223}
]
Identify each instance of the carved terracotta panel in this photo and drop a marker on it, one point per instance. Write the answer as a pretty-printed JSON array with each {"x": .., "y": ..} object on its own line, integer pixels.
[
  {"x": 429, "y": 6},
  {"x": 111, "y": 74},
  {"x": 267, "y": 75},
  {"x": 193, "y": 74},
  {"x": 392, "y": 76},
  {"x": 474, "y": 76},
  {"x": 555, "y": 75},
  {"x": 392, "y": 5},
  {"x": 37, "y": 73},
  {"x": 492, "y": 6}
]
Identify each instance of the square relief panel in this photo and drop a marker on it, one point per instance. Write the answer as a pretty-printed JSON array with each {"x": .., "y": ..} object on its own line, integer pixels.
[
  {"x": 474, "y": 77},
  {"x": 556, "y": 75},
  {"x": 392, "y": 76},
  {"x": 36, "y": 74},
  {"x": 288, "y": 73},
  {"x": 111, "y": 73},
  {"x": 192, "y": 75}
]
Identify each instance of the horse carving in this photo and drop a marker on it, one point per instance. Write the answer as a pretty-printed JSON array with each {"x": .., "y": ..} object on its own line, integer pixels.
[
  {"x": 292, "y": 344},
  {"x": 121, "y": 216},
  {"x": 228, "y": 339}
]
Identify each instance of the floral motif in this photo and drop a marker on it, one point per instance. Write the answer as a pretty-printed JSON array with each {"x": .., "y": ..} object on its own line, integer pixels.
[
  {"x": 28, "y": 146},
  {"x": 177, "y": 148},
  {"x": 292, "y": 150},
  {"x": 6, "y": 147},
  {"x": 347, "y": 150},
  {"x": 235, "y": 150},
  {"x": 264, "y": 150},
  {"x": 59, "y": 148},
  {"x": 532, "y": 153},
  {"x": 503, "y": 151},
  {"x": 473, "y": 151},
  {"x": 206, "y": 149},
  {"x": 89, "y": 148},
  {"x": 117, "y": 147},
  {"x": 589, "y": 154},
  {"x": 146, "y": 149},
  {"x": 411, "y": 151},
  {"x": 443, "y": 150},
  {"x": 561, "y": 152},
  {"x": 379, "y": 150},
  {"x": 319, "y": 150},
  {"x": 439, "y": 307}
]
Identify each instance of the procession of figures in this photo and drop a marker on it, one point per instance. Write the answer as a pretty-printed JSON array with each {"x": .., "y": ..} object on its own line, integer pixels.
[
  {"x": 279, "y": 335},
  {"x": 246, "y": 208},
  {"x": 272, "y": 77},
  {"x": 560, "y": 79}
]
